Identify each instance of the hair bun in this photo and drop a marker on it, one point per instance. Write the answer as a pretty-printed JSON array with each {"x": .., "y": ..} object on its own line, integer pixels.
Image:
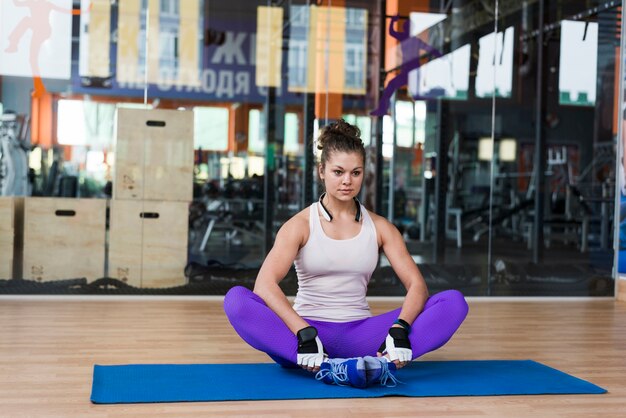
[
  {"x": 340, "y": 127},
  {"x": 344, "y": 128}
]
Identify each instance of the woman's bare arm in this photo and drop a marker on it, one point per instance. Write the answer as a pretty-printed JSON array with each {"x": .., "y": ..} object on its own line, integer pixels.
[
  {"x": 404, "y": 266},
  {"x": 276, "y": 266}
]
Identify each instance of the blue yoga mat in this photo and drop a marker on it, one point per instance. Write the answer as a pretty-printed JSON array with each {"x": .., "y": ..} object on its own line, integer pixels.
[{"x": 141, "y": 383}]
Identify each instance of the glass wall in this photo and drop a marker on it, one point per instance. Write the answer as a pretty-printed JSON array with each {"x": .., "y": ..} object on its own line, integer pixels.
[
  {"x": 158, "y": 146},
  {"x": 554, "y": 150},
  {"x": 620, "y": 204}
]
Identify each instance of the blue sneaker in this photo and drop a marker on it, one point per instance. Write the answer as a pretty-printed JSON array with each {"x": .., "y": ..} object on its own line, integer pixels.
[
  {"x": 343, "y": 372},
  {"x": 380, "y": 370}
]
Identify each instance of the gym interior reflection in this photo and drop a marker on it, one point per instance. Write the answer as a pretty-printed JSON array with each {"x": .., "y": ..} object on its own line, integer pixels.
[{"x": 491, "y": 144}]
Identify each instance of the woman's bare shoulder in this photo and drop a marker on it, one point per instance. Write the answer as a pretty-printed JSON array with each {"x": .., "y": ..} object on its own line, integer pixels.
[
  {"x": 300, "y": 219},
  {"x": 379, "y": 221},
  {"x": 297, "y": 226},
  {"x": 382, "y": 225}
]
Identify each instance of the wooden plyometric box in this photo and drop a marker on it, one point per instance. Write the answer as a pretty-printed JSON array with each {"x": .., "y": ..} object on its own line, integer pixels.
[
  {"x": 148, "y": 242},
  {"x": 64, "y": 238},
  {"x": 11, "y": 228},
  {"x": 154, "y": 155}
]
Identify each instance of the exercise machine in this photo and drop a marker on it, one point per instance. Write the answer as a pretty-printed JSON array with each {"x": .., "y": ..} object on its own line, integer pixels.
[{"x": 14, "y": 149}]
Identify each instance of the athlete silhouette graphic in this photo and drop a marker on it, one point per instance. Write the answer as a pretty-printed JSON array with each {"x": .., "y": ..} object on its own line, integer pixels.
[
  {"x": 411, "y": 47},
  {"x": 39, "y": 24}
]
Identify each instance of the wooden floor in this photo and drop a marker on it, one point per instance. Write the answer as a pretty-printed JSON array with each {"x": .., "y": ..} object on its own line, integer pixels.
[{"x": 48, "y": 349}]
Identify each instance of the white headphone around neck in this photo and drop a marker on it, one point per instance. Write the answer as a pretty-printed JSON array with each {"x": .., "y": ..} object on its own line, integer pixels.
[{"x": 326, "y": 214}]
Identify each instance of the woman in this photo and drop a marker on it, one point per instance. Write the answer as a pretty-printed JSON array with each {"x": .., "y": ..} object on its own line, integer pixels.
[{"x": 335, "y": 245}]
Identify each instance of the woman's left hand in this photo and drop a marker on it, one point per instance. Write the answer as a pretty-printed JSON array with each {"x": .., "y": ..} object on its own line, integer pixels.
[{"x": 397, "y": 347}]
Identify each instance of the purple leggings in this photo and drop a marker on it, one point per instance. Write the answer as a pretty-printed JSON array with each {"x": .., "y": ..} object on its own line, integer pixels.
[{"x": 260, "y": 327}]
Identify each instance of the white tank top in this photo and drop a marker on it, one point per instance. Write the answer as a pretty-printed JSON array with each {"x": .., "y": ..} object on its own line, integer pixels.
[{"x": 333, "y": 274}]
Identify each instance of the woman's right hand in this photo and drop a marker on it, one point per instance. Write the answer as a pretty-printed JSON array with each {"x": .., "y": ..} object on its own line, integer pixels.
[{"x": 311, "y": 353}]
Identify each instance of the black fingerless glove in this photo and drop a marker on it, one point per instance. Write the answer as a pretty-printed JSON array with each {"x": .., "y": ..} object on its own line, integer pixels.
[
  {"x": 397, "y": 345},
  {"x": 311, "y": 352}
]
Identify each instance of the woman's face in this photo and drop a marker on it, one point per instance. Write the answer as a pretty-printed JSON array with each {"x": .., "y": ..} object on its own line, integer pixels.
[{"x": 343, "y": 174}]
